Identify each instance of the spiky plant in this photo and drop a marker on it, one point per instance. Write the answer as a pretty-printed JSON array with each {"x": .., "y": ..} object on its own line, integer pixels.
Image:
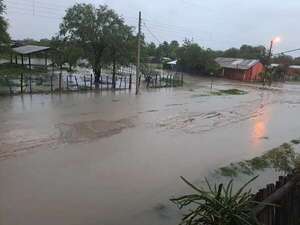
[{"x": 219, "y": 205}]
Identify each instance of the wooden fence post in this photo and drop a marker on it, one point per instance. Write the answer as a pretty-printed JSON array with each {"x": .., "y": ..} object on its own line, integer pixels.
[
  {"x": 51, "y": 83},
  {"x": 60, "y": 82},
  {"x": 120, "y": 85},
  {"x": 67, "y": 82},
  {"x": 21, "y": 83},
  {"x": 76, "y": 82},
  {"x": 91, "y": 82},
  {"x": 106, "y": 82},
  {"x": 147, "y": 81},
  {"x": 8, "y": 83},
  {"x": 101, "y": 82},
  {"x": 30, "y": 85},
  {"x": 139, "y": 80},
  {"x": 181, "y": 79},
  {"x": 159, "y": 81}
]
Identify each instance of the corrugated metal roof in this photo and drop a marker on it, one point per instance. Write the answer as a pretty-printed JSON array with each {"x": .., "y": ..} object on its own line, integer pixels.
[
  {"x": 29, "y": 49},
  {"x": 235, "y": 63},
  {"x": 294, "y": 66},
  {"x": 172, "y": 62}
]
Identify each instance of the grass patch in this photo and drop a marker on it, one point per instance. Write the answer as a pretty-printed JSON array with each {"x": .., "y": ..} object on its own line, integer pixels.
[
  {"x": 282, "y": 158},
  {"x": 221, "y": 93},
  {"x": 228, "y": 171},
  {"x": 230, "y": 92}
]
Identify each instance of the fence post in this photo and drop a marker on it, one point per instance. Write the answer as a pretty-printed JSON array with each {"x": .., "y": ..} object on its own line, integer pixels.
[
  {"x": 91, "y": 82},
  {"x": 106, "y": 82},
  {"x": 120, "y": 83},
  {"x": 139, "y": 80},
  {"x": 10, "y": 89},
  {"x": 21, "y": 83},
  {"x": 148, "y": 81},
  {"x": 159, "y": 81},
  {"x": 130, "y": 81},
  {"x": 76, "y": 82},
  {"x": 60, "y": 81},
  {"x": 51, "y": 83},
  {"x": 173, "y": 80},
  {"x": 101, "y": 82},
  {"x": 84, "y": 80},
  {"x": 181, "y": 79},
  {"x": 67, "y": 82},
  {"x": 30, "y": 85},
  {"x": 167, "y": 81}
]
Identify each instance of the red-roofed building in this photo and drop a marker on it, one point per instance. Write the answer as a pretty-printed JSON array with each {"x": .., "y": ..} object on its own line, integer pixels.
[{"x": 241, "y": 69}]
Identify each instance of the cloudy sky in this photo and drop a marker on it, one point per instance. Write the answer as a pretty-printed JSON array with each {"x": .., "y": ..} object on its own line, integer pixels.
[{"x": 217, "y": 24}]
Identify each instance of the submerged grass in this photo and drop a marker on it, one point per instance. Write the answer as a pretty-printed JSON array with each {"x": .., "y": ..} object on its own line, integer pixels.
[
  {"x": 221, "y": 93},
  {"x": 282, "y": 159},
  {"x": 231, "y": 92}
]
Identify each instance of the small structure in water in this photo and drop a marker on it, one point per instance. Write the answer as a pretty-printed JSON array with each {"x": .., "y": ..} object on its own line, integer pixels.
[{"x": 240, "y": 69}]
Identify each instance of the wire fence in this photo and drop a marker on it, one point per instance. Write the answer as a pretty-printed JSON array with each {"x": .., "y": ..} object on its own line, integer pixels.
[{"x": 58, "y": 82}]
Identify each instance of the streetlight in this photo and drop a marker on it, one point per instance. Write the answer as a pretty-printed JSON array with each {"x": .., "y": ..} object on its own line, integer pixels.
[{"x": 273, "y": 41}]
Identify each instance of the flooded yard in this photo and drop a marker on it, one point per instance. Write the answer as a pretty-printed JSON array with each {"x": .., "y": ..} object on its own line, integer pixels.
[{"x": 115, "y": 158}]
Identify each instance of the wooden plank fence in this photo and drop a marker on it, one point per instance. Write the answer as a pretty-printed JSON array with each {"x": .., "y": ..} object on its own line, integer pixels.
[{"x": 283, "y": 202}]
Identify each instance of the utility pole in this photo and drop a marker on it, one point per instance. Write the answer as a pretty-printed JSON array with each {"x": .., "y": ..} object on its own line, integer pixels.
[
  {"x": 138, "y": 55},
  {"x": 270, "y": 52}
]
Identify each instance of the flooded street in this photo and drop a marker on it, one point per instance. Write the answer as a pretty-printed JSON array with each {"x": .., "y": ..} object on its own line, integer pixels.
[{"x": 103, "y": 158}]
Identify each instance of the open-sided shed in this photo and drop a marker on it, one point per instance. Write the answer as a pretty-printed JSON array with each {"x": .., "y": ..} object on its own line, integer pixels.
[{"x": 28, "y": 51}]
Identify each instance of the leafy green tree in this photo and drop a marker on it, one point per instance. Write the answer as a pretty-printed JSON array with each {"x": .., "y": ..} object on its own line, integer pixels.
[
  {"x": 72, "y": 54},
  {"x": 120, "y": 46},
  {"x": 150, "y": 49},
  {"x": 57, "y": 53},
  {"x": 246, "y": 52},
  {"x": 173, "y": 48},
  {"x": 65, "y": 52},
  {"x": 232, "y": 53},
  {"x": 193, "y": 58},
  {"x": 92, "y": 28},
  {"x": 4, "y": 36}
]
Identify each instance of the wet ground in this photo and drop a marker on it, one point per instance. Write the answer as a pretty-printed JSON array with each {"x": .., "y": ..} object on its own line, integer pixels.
[{"x": 116, "y": 158}]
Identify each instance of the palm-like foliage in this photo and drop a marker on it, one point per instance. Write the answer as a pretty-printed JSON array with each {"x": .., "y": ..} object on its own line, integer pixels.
[{"x": 219, "y": 205}]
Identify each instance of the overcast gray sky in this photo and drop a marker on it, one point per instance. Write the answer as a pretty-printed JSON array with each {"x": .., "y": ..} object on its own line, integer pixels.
[{"x": 218, "y": 24}]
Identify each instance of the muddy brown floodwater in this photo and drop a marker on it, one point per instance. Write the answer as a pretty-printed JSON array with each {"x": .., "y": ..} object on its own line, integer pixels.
[{"x": 116, "y": 158}]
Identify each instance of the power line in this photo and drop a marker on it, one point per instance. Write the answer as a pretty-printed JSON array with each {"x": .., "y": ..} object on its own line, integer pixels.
[
  {"x": 288, "y": 51},
  {"x": 20, "y": 11},
  {"x": 151, "y": 33}
]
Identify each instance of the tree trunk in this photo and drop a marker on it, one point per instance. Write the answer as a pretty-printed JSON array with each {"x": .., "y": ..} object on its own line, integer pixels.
[{"x": 97, "y": 72}]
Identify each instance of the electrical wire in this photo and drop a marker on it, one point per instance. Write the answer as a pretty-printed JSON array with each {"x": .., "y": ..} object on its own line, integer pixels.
[{"x": 151, "y": 33}]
